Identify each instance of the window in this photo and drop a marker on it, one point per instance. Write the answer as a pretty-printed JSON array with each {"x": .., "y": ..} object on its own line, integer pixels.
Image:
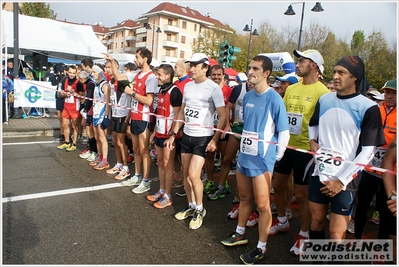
[
  {"x": 121, "y": 33},
  {"x": 145, "y": 39},
  {"x": 184, "y": 25},
  {"x": 168, "y": 52},
  {"x": 181, "y": 54},
  {"x": 170, "y": 22},
  {"x": 194, "y": 40},
  {"x": 183, "y": 39},
  {"x": 169, "y": 37},
  {"x": 122, "y": 45},
  {"x": 195, "y": 27}
]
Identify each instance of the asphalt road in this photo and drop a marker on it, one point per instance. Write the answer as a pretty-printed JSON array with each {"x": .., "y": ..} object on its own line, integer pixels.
[{"x": 58, "y": 210}]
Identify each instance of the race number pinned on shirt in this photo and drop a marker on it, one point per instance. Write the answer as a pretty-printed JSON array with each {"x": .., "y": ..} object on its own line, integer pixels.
[
  {"x": 161, "y": 125},
  {"x": 249, "y": 143},
  {"x": 295, "y": 122},
  {"x": 327, "y": 165},
  {"x": 378, "y": 156},
  {"x": 215, "y": 118},
  {"x": 195, "y": 115},
  {"x": 70, "y": 99},
  {"x": 135, "y": 105}
]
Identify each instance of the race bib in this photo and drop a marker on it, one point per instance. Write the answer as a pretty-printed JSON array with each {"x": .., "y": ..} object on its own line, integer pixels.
[
  {"x": 194, "y": 115},
  {"x": 295, "y": 122},
  {"x": 215, "y": 118},
  {"x": 378, "y": 156},
  {"x": 160, "y": 127},
  {"x": 249, "y": 143},
  {"x": 70, "y": 99},
  {"x": 135, "y": 105},
  {"x": 327, "y": 165}
]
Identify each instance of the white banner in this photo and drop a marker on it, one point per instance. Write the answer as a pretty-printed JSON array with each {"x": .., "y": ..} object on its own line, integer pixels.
[{"x": 37, "y": 94}]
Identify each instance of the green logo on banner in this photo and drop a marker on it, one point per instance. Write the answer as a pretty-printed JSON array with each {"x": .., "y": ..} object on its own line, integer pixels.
[{"x": 33, "y": 94}]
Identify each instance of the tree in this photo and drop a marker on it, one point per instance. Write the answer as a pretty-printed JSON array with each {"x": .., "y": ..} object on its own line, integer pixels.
[
  {"x": 357, "y": 42},
  {"x": 36, "y": 9}
]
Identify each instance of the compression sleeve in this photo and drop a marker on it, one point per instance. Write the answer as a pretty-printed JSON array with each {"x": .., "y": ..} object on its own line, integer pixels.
[
  {"x": 283, "y": 138},
  {"x": 364, "y": 157}
]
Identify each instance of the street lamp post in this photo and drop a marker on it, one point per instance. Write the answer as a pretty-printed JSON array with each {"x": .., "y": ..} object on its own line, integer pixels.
[
  {"x": 290, "y": 12},
  {"x": 148, "y": 27},
  {"x": 254, "y": 32}
]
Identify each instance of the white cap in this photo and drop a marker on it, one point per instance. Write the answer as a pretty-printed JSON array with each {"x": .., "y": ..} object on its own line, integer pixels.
[
  {"x": 241, "y": 77},
  {"x": 313, "y": 55},
  {"x": 275, "y": 84},
  {"x": 199, "y": 58},
  {"x": 290, "y": 77},
  {"x": 379, "y": 97},
  {"x": 97, "y": 69},
  {"x": 233, "y": 83}
]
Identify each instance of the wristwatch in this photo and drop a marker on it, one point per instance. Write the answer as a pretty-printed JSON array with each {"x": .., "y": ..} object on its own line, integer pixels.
[
  {"x": 134, "y": 94},
  {"x": 173, "y": 134},
  {"x": 393, "y": 197}
]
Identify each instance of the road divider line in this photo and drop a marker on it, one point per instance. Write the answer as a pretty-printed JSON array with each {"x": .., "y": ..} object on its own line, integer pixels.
[
  {"x": 61, "y": 192},
  {"x": 29, "y": 143}
]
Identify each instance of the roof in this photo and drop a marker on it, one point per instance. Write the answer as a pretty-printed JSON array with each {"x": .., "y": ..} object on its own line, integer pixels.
[
  {"x": 126, "y": 23},
  {"x": 184, "y": 11}
]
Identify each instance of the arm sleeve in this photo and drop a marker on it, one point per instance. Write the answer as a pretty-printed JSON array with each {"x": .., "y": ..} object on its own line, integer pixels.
[
  {"x": 364, "y": 157},
  {"x": 235, "y": 94},
  {"x": 89, "y": 93},
  {"x": 283, "y": 138},
  {"x": 79, "y": 87},
  {"x": 176, "y": 97}
]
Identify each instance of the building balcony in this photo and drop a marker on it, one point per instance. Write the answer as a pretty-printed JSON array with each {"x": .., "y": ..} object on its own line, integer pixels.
[
  {"x": 104, "y": 41},
  {"x": 130, "y": 38},
  {"x": 129, "y": 49},
  {"x": 170, "y": 44},
  {"x": 170, "y": 28},
  {"x": 141, "y": 44},
  {"x": 169, "y": 59},
  {"x": 110, "y": 41},
  {"x": 141, "y": 31}
]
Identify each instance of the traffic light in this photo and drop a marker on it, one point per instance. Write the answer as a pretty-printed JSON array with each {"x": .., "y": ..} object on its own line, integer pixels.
[
  {"x": 223, "y": 52},
  {"x": 226, "y": 54},
  {"x": 230, "y": 57}
]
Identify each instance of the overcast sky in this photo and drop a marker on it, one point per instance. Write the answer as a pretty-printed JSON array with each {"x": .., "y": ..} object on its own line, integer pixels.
[{"x": 342, "y": 18}]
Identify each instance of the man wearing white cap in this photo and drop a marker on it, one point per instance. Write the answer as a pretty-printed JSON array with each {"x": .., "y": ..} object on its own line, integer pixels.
[
  {"x": 300, "y": 100},
  {"x": 241, "y": 78},
  {"x": 202, "y": 97},
  {"x": 285, "y": 81}
]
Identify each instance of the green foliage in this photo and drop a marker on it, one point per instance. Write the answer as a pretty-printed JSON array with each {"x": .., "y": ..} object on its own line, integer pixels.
[
  {"x": 378, "y": 56},
  {"x": 36, "y": 9}
]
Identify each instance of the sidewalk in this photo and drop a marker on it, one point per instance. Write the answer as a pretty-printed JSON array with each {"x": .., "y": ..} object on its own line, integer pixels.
[{"x": 32, "y": 126}]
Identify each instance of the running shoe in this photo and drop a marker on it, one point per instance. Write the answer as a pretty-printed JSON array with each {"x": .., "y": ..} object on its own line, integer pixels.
[
  {"x": 273, "y": 208},
  {"x": 71, "y": 148},
  {"x": 253, "y": 219},
  {"x": 123, "y": 174},
  {"x": 130, "y": 159},
  {"x": 233, "y": 214},
  {"x": 181, "y": 192},
  {"x": 279, "y": 227},
  {"x": 177, "y": 183},
  {"x": 235, "y": 239},
  {"x": 85, "y": 154},
  {"x": 95, "y": 162},
  {"x": 92, "y": 156},
  {"x": 101, "y": 166},
  {"x": 227, "y": 188},
  {"x": 63, "y": 146},
  {"x": 216, "y": 195},
  {"x": 351, "y": 227},
  {"x": 114, "y": 170},
  {"x": 188, "y": 212},
  {"x": 163, "y": 202},
  {"x": 375, "y": 218},
  {"x": 135, "y": 180},
  {"x": 298, "y": 246},
  {"x": 252, "y": 256},
  {"x": 218, "y": 163},
  {"x": 155, "y": 197},
  {"x": 143, "y": 187},
  {"x": 210, "y": 185},
  {"x": 197, "y": 219}
]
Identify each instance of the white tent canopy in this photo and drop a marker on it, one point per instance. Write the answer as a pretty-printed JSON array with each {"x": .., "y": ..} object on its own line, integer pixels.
[{"x": 50, "y": 37}]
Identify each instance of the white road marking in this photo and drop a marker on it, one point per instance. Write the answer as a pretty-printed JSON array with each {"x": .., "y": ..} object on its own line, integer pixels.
[
  {"x": 61, "y": 192},
  {"x": 29, "y": 143}
]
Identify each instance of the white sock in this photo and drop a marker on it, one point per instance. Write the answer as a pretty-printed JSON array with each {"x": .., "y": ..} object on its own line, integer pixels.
[
  {"x": 262, "y": 246},
  {"x": 199, "y": 207},
  {"x": 240, "y": 230},
  {"x": 119, "y": 165},
  {"x": 126, "y": 168},
  {"x": 305, "y": 234},
  {"x": 192, "y": 205},
  {"x": 282, "y": 219}
]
